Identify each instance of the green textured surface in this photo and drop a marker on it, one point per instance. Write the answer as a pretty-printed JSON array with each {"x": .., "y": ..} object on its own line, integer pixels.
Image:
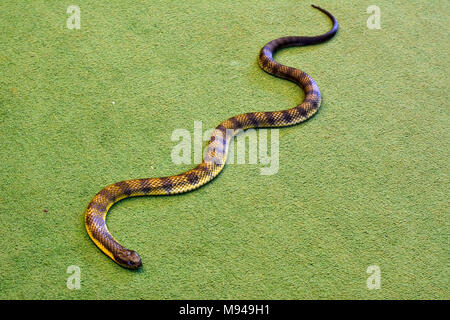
[{"x": 365, "y": 182}]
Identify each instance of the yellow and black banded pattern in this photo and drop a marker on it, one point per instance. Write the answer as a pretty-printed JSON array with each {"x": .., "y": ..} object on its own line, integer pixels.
[{"x": 217, "y": 149}]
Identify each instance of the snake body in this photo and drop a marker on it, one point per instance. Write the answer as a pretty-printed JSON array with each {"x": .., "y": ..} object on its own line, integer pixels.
[{"x": 217, "y": 149}]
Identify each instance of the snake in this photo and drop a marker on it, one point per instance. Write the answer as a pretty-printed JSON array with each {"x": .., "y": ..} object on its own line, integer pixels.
[{"x": 216, "y": 149}]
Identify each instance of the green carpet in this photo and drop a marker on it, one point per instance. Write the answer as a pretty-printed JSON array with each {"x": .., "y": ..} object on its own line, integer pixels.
[{"x": 362, "y": 183}]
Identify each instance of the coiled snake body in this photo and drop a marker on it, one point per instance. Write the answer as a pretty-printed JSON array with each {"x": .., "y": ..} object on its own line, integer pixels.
[{"x": 217, "y": 149}]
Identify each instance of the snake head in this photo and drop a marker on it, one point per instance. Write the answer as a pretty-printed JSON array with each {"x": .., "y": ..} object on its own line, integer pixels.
[{"x": 128, "y": 259}]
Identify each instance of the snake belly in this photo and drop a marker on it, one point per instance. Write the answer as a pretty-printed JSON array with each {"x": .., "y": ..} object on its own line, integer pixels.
[{"x": 217, "y": 149}]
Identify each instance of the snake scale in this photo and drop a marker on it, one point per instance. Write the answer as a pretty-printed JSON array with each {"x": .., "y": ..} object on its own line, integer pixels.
[{"x": 216, "y": 152}]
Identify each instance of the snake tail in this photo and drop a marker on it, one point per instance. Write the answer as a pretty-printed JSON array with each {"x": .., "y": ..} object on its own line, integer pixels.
[{"x": 217, "y": 148}]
